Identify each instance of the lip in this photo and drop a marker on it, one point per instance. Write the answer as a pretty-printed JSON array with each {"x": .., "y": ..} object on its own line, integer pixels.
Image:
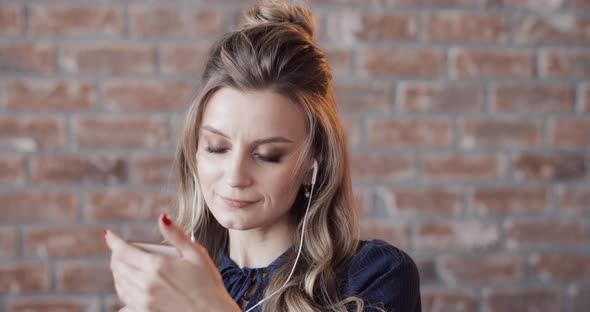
[{"x": 237, "y": 203}]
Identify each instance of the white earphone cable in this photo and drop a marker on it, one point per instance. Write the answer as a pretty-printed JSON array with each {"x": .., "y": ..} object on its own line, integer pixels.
[
  {"x": 194, "y": 212},
  {"x": 300, "y": 241},
  {"x": 298, "y": 252}
]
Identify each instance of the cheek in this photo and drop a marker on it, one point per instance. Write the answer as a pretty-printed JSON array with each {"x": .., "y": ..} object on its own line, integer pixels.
[
  {"x": 206, "y": 173},
  {"x": 282, "y": 188},
  {"x": 206, "y": 170}
]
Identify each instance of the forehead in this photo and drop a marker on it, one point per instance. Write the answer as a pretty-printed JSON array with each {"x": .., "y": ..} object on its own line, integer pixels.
[{"x": 254, "y": 114}]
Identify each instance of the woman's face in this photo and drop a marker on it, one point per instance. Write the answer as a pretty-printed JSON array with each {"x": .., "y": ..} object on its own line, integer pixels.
[{"x": 249, "y": 144}]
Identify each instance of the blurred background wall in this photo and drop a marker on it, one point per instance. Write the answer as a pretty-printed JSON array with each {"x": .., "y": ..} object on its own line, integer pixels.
[{"x": 468, "y": 123}]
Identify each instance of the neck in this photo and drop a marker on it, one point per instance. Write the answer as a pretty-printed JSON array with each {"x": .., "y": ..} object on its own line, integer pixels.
[{"x": 257, "y": 248}]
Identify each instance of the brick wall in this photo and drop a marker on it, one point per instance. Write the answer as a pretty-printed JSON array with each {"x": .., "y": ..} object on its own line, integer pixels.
[{"x": 468, "y": 123}]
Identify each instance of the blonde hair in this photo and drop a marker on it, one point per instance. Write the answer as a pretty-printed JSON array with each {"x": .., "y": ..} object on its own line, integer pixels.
[{"x": 275, "y": 50}]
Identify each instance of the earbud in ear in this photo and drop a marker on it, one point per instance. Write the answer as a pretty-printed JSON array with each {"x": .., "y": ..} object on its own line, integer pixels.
[{"x": 315, "y": 171}]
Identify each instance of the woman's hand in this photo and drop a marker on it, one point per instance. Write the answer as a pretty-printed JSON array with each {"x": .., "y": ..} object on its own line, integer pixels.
[{"x": 153, "y": 282}]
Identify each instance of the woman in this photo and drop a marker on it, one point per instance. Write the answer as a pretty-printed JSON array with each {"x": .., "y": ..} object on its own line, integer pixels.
[{"x": 265, "y": 191}]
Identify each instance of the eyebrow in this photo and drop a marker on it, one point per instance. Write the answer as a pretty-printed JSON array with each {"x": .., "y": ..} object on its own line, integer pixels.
[{"x": 277, "y": 139}]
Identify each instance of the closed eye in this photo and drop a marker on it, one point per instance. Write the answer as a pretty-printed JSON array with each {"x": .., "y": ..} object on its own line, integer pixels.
[
  {"x": 270, "y": 158},
  {"x": 215, "y": 150}
]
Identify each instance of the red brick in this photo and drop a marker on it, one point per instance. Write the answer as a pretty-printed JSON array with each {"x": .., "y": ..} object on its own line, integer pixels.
[
  {"x": 64, "y": 242},
  {"x": 42, "y": 305},
  {"x": 360, "y": 96},
  {"x": 364, "y": 202},
  {"x": 381, "y": 167},
  {"x": 522, "y": 300},
  {"x": 432, "y": 3},
  {"x": 510, "y": 200},
  {"x": 585, "y": 98},
  {"x": 82, "y": 277},
  {"x": 555, "y": 28},
  {"x": 561, "y": 268},
  {"x": 584, "y": 4},
  {"x": 440, "y": 98},
  {"x": 574, "y": 198},
  {"x": 410, "y": 133},
  {"x": 12, "y": 170},
  {"x": 79, "y": 170},
  {"x": 113, "y": 304},
  {"x": 571, "y": 132},
  {"x": 340, "y": 60},
  {"x": 27, "y": 58},
  {"x": 448, "y": 300},
  {"x": 121, "y": 132},
  {"x": 461, "y": 166},
  {"x": 177, "y": 121},
  {"x": 353, "y": 129},
  {"x": 402, "y": 62},
  {"x": 461, "y": 27},
  {"x": 8, "y": 244},
  {"x": 153, "y": 169},
  {"x": 352, "y": 26},
  {"x": 128, "y": 205},
  {"x": 545, "y": 233},
  {"x": 397, "y": 235},
  {"x": 428, "y": 272},
  {"x": 144, "y": 232},
  {"x": 571, "y": 64},
  {"x": 536, "y": 5},
  {"x": 32, "y": 133},
  {"x": 534, "y": 99},
  {"x": 49, "y": 95},
  {"x": 563, "y": 166},
  {"x": 459, "y": 235},
  {"x": 480, "y": 133},
  {"x": 580, "y": 296},
  {"x": 74, "y": 20},
  {"x": 109, "y": 58},
  {"x": 146, "y": 96},
  {"x": 170, "y": 21},
  {"x": 24, "y": 277},
  {"x": 184, "y": 58},
  {"x": 11, "y": 20},
  {"x": 46, "y": 206},
  {"x": 478, "y": 63},
  {"x": 424, "y": 201},
  {"x": 488, "y": 269}
]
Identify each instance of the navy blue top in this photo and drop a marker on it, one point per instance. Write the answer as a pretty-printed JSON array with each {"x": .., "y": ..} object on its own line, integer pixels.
[{"x": 381, "y": 274}]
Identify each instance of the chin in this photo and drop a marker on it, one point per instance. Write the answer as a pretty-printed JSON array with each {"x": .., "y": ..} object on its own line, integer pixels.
[{"x": 235, "y": 224}]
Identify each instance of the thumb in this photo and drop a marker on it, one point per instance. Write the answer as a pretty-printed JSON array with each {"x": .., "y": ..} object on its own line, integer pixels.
[{"x": 177, "y": 238}]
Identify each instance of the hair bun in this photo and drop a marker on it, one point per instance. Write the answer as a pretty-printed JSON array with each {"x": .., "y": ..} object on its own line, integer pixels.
[{"x": 275, "y": 11}]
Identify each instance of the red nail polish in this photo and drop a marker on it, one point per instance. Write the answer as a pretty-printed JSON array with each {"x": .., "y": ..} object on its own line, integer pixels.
[
  {"x": 166, "y": 219},
  {"x": 104, "y": 233}
]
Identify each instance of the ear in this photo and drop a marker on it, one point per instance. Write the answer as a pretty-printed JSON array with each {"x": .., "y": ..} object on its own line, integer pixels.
[
  {"x": 311, "y": 173},
  {"x": 315, "y": 168}
]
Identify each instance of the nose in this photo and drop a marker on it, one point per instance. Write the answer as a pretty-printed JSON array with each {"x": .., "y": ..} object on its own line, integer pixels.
[{"x": 237, "y": 173}]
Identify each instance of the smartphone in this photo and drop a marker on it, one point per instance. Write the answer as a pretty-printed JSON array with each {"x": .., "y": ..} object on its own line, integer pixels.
[{"x": 162, "y": 249}]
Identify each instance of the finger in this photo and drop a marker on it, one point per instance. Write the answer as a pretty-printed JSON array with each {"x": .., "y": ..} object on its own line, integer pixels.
[
  {"x": 151, "y": 296},
  {"x": 175, "y": 236},
  {"x": 130, "y": 291},
  {"x": 140, "y": 290},
  {"x": 128, "y": 253},
  {"x": 127, "y": 285},
  {"x": 126, "y": 275}
]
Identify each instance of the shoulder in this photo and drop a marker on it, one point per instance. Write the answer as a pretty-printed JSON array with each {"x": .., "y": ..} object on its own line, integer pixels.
[
  {"x": 379, "y": 252},
  {"x": 379, "y": 256},
  {"x": 384, "y": 275}
]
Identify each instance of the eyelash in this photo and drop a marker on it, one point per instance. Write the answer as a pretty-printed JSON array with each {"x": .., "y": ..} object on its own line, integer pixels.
[
  {"x": 210, "y": 149},
  {"x": 272, "y": 159}
]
